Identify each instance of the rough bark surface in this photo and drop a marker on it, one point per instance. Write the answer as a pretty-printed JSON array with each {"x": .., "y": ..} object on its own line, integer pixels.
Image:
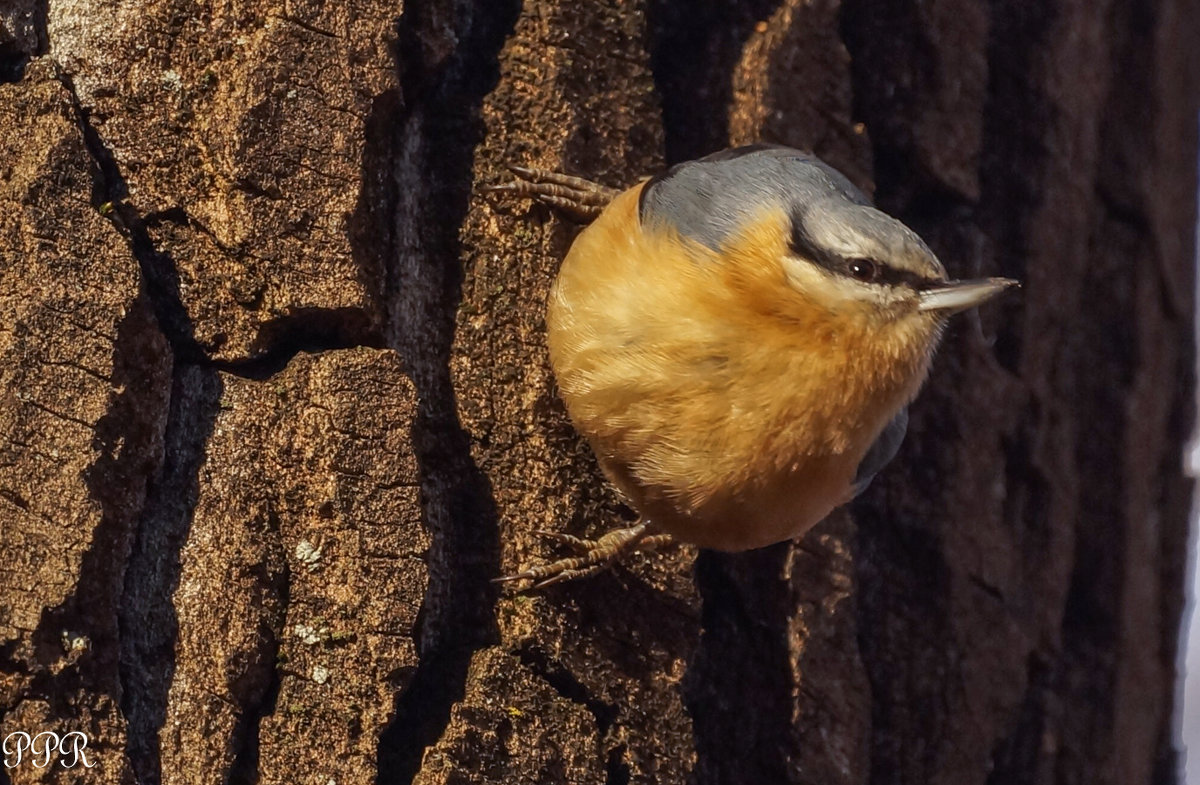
[{"x": 276, "y": 404}]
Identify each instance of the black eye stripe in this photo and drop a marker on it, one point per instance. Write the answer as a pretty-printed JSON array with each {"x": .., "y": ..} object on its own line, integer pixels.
[
  {"x": 893, "y": 277},
  {"x": 803, "y": 246},
  {"x": 885, "y": 274}
]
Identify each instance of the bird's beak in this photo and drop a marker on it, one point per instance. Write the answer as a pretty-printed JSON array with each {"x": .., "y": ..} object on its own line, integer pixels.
[{"x": 954, "y": 296}]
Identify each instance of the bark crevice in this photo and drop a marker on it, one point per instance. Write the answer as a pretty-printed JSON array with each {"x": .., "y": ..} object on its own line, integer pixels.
[
  {"x": 425, "y": 138},
  {"x": 605, "y": 714},
  {"x": 149, "y": 621}
]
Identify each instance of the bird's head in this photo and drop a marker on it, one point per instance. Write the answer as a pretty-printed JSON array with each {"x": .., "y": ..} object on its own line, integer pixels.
[{"x": 801, "y": 243}]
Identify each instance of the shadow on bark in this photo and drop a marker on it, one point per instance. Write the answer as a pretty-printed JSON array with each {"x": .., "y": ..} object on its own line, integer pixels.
[{"x": 423, "y": 139}]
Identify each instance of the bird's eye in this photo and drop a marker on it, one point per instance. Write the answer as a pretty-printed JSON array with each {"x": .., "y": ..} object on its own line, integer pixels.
[{"x": 863, "y": 270}]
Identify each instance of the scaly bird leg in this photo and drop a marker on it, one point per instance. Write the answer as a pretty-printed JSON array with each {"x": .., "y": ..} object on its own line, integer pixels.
[
  {"x": 595, "y": 555},
  {"x": 582, "y": 199}
]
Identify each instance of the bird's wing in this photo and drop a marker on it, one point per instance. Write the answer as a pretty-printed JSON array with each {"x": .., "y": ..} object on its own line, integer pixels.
[{"x": 881, "y": 452}]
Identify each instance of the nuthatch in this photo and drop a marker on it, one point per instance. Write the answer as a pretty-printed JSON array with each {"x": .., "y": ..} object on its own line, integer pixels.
[{"x": 738, "y": 339}]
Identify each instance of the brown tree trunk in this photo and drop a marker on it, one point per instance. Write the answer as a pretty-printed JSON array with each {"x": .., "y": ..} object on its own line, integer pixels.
[{"x": 276, "y": 404}]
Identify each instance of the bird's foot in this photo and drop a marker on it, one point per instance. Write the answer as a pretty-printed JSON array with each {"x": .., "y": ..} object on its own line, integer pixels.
[
  {"x": 581, "y": 199},
  {"x": 594, "y": 555}
]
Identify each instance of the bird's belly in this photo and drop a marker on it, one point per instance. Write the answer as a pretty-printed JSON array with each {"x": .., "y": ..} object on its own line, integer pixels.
[{"x": 770, "y": 510}]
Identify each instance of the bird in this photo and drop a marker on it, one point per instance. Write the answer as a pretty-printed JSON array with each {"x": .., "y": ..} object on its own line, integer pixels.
[{"x": 738, "y": 339}]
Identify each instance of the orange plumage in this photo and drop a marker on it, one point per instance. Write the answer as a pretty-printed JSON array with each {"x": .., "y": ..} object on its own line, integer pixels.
[{"x": 731, "y": 408}]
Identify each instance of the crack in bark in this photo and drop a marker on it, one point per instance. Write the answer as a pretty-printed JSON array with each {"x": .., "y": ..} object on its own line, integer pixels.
[
  {"x": 278, "y": 340},
  {"x": 254, "y": 708},
  {"x": 149, "y": 625},
  {"x": 447, "y": 57},
  {"x": 308, "y": 330},
  {"x": 569, "y": 687},
  {"x": 159, "y": 273},
  {"x": 15, "y": 499}
]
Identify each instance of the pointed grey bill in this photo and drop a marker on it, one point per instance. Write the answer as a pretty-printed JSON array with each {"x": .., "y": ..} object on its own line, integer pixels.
[{"x": 954, "y": 296}]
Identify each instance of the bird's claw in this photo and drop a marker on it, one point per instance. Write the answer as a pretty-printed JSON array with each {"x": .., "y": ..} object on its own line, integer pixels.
[
  {"x": 580, "y": 198},
  {"x": 595, "y": 555},
  {"x": 577, "y": 544}
]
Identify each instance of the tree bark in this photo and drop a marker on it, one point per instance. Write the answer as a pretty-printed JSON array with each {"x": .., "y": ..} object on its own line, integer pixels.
[{"x": 276, "y": 402}]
